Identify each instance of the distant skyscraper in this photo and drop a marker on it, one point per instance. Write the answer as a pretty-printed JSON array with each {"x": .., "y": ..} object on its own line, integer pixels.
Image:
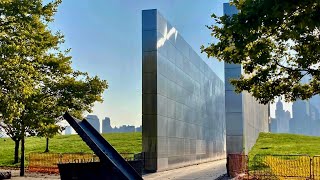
[
  {"x": 300, "y": 122},
  {"x": 127, "y": 128},
  {"x": 280, "y": 123},
  {"x": 315, "y": 101},
  {"x": 305, "y": 114},
  {"x": 124, "y": 128},
  {"x": 273, "y": 125},
  {"x": 139, "y": 129},
  {"x": 68, "y": 130},
  {"x": 94, "y": 121},
  {"x": 1, "y": 133},
  {"x": 314, "y": 113},
  {"x": 106, "y": 127},
  {"x": 315, "y": 119}
]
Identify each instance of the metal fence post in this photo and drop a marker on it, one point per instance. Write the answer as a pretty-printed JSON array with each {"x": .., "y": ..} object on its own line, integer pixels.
[
  {"x": 60, "y": 158},
  {"x": 228, "y": 161},
  {"x": 311, "y": 168},
  {"x": 247, "y": 160},
  {"x": 29, "y": 161}
]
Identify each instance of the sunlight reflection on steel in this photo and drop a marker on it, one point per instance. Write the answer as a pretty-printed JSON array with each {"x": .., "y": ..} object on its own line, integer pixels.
[{"x": 167, "y": 36}]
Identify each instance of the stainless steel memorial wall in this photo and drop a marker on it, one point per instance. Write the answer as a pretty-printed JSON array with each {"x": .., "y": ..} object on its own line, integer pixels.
[
  {"x": 256, "y": 120},
  {"x": 183, "y": 108},
  {"x": 245, "y": 117}
]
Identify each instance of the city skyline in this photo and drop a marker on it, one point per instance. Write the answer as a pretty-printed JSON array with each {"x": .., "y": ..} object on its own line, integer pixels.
[
  {"x": 303, "y": 119},
  {"x": 103, "y": 126}
]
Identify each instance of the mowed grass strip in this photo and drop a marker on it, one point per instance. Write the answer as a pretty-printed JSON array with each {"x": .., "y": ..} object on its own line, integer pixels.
[
  {"x": 122, "y": 142},
  {"x": 286, "y": 144}
]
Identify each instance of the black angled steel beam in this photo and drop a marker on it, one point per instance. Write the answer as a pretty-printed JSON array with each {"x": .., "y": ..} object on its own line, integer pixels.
[{"x": 102, "y": 148}]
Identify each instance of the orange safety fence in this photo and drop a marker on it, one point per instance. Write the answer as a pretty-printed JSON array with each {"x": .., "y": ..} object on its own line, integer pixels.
[
  {"x": 48, "y": 162},
  {"x": 280, "y": 167}
]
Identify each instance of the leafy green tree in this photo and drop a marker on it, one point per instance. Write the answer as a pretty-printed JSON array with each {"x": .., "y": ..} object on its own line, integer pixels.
[
  {"x": 277, "y": 43},
  {"x": 36, "y": 79},
  {"x": 48, "y": 129}
]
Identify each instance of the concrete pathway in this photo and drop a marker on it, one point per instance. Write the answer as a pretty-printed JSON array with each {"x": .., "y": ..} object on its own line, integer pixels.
[{"x": 205, "y": 171}]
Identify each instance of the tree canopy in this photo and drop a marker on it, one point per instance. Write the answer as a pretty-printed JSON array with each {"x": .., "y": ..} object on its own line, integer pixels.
[
  {"x": 37, "y": 82},
  {"x": 277, "y": 42}
]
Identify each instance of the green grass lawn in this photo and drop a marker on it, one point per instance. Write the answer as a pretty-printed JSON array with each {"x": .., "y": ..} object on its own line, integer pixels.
[
  {"x": 122, "y": 142},
  {"x": 283, "y": 144}
]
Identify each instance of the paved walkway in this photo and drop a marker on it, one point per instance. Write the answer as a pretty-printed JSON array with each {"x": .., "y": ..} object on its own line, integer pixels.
[{"x": 205, "y": 171}]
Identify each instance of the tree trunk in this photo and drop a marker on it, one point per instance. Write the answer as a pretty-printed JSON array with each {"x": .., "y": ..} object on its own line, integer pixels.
[
  {"x": 47, "y": 145},
  {"x": 22, "y": 152},
  {"x": 16, "y": 151}
]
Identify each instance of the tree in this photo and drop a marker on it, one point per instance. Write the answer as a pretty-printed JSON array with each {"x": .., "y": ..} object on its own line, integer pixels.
[
  {"x": 37, "y": 82},
  {"x": 276, "y": 42},
  {"x": 49, "y": 130},
  {"x": 13, "y": 131}
]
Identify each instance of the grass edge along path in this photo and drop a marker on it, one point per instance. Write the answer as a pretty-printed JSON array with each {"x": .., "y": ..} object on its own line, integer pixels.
[{"x": 122, "y": 142}]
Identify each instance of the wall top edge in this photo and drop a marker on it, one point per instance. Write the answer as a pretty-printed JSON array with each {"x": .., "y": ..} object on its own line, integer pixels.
[
  {"x": 156, "y": 13},
  {"x": 149, "y": 10}
]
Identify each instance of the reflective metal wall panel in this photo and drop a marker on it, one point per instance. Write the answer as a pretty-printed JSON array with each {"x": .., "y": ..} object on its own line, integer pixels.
[
  {"x": 245, "y": 117},
  {"x": 255, "y": 120},
  {"x": 183, "y": 100}
]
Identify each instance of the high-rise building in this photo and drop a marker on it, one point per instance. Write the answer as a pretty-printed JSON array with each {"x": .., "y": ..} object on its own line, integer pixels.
[
  {"x": 139, "y": 129},
  {"x": 127, "y": 128},
  {"x": 280, "y": 124},
  {"x": 315, "y": 119},
  {"x": 94, "y": 121},
  {"x": 69, "y": 130},
  {"x": 106, "y": 127},
  {"x": 306, "y": 117},
  {"x": 314, "y": 113},
  {"x": 1, "y": 133},
  {"x": 300, "y": 122},
  {"x": 315, "y": 102},
  {"x": 273, "y": 125}
]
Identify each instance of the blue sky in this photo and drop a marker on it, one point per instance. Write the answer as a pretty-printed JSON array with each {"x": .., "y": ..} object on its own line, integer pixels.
[{"x": 105, "y": 38}]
